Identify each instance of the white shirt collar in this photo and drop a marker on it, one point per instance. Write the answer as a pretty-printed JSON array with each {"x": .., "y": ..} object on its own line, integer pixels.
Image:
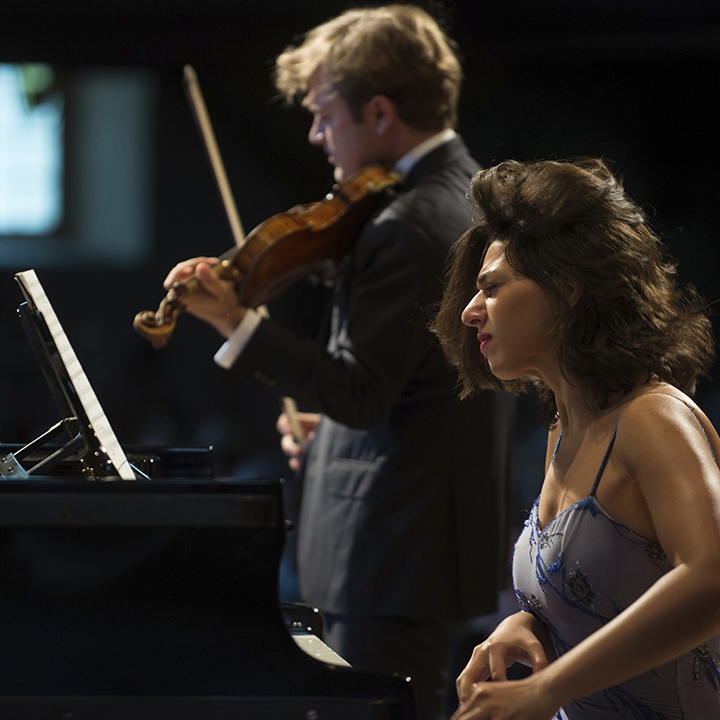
[{"x": 407, "y": 161}]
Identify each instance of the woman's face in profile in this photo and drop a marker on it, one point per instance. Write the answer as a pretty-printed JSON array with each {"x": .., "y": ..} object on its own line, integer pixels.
[{"x": 514, "y": 319}]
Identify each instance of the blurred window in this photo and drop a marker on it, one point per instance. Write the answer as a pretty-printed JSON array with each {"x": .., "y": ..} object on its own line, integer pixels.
[
  {"x": 31, "y": 150},
  {"x": 76, "y": 165}
]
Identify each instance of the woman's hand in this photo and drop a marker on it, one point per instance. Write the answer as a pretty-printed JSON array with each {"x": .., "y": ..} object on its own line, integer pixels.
[
  {"x": 215, "y": 302},
  {"x": 525, "y": 699},
  {"x": 518, "y": 638}
]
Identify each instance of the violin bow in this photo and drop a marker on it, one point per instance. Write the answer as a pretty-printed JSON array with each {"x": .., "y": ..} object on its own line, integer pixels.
[{"x": 197, "y": 104}]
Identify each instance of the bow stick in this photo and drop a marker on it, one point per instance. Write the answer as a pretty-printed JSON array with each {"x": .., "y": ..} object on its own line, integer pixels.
[{"x": 197, "y": 103}]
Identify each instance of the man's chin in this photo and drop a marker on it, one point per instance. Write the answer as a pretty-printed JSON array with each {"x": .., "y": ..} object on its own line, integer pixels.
[{"x": 340, "y": 172}]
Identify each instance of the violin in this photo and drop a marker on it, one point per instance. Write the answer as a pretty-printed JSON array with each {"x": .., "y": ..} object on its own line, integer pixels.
[{"x": 306, "y": 241}]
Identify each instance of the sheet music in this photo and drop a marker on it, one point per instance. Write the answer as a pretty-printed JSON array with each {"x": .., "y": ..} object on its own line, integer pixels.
[{"x": 34, "y": 292}]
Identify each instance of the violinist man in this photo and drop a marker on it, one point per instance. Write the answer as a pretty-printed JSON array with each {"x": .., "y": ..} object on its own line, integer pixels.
[{"x": 402, "y": 530}]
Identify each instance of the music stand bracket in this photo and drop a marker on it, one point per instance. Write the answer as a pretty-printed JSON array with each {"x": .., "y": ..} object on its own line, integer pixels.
[{"x": 12, "y": 469}]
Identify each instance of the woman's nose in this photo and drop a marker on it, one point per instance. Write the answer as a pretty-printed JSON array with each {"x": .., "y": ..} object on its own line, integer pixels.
[{"x": 474, "y": 313}]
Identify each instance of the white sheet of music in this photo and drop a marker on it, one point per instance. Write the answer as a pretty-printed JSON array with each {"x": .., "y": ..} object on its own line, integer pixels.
[{"x": 90, "y": 403}]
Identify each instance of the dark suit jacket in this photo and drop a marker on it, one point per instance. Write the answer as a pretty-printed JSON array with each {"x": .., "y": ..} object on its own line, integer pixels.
[{"x": 405, "y": 487}]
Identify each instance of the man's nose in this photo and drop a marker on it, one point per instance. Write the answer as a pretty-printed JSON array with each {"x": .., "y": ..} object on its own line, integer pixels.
[{"x": 316, "y": 135}]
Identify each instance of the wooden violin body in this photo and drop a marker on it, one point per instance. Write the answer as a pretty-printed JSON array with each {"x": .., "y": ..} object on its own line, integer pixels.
[{"x": 307, "y": 240}]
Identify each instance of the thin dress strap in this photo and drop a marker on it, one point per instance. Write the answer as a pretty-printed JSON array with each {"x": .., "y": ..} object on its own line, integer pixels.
[
  {"x": 601, "y": 469},
  {"x": 557, "y": 447}
]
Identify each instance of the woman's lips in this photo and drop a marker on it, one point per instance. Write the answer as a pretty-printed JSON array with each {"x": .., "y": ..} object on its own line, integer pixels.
[{"x": 483, "y": 339}]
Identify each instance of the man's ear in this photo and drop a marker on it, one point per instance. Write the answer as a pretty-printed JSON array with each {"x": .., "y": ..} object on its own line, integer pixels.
[{"x": 380, "y": 112}]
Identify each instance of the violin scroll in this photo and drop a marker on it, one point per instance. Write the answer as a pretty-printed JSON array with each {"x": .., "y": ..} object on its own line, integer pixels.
[{"x": 158, "y": 326}]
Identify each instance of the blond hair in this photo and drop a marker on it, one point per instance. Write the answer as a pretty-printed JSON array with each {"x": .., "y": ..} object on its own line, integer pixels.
[{"x": 398, "y": 51}]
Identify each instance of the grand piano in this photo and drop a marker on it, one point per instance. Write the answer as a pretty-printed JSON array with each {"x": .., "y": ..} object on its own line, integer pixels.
[{"x": 136, "y": 585}]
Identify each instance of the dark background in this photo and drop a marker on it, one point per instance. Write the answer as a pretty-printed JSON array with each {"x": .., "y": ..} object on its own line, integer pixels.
[{"x": 634, "y": 81}]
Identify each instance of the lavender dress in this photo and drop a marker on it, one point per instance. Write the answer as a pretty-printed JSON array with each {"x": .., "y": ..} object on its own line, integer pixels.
[{"x": 582, "y": 570}]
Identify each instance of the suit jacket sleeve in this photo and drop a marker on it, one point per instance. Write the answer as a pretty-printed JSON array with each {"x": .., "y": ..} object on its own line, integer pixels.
[{"x": 380, "y": 340}]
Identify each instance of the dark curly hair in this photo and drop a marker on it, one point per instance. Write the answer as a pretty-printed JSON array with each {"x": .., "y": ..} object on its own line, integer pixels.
[{"x": 561, "y": 221}]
